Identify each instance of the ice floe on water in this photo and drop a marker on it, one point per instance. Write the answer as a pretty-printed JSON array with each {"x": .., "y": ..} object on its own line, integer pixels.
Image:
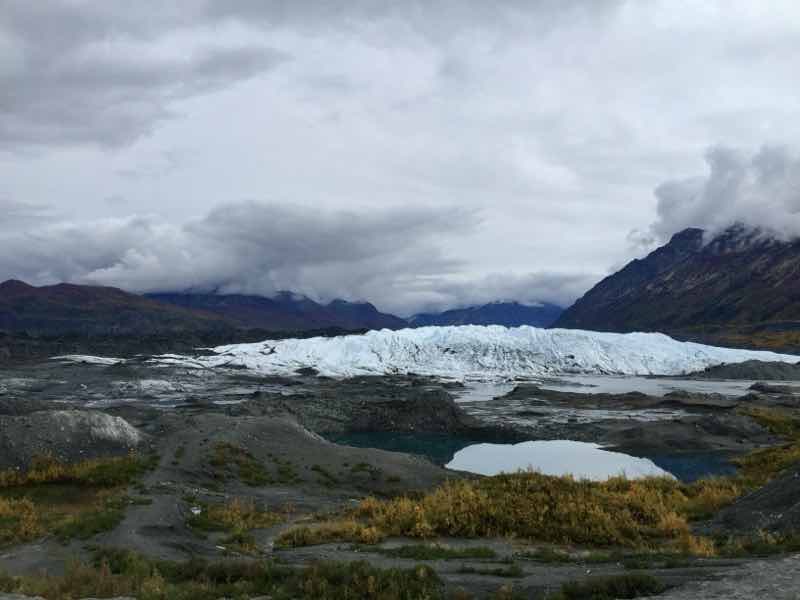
[
  {"x": 474, "y": 352},
  {"x": 560, "y": 457}
]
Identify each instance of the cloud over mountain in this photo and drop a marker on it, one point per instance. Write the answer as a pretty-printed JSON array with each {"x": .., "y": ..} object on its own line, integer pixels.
[
  {"x": 552, "y": 119},
  {"x": 394, "y": 257},
  {"x": 760, "y": 190}
]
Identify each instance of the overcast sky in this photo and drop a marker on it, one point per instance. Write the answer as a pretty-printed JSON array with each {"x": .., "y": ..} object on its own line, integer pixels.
[{"x": 420, "y": 154}]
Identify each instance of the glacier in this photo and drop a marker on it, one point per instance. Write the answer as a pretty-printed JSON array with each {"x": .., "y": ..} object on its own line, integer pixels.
[{"x": 476, "y": 353}]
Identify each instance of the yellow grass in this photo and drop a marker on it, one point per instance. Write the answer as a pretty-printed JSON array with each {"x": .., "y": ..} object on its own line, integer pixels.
[
  {"x": 68, "y": 501},
  {"x": 652, "y": 513},
  {"x": 646, "y": 513}
]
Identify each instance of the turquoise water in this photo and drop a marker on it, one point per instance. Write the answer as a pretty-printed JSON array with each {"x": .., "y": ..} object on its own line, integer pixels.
[
  {"x": 691, "y": 467},
  {"x": 441, "y": 449},
  {"x": 437, "y": 448}
]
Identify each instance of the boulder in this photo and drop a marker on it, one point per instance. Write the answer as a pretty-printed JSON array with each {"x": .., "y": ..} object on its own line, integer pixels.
[{"x": 67, "y": 435}]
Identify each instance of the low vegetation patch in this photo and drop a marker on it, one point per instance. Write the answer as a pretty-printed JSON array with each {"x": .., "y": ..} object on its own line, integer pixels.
[
  {"x": 629, "y": 560},
  {"x": 180, "y": 452},
  {"x": 610, "y": 588},
  {"x": 760, "y": 466},
  {"x": 236, "y": 518},
  {"x": 438, "y": 552},
  {"x": 285, "y": 471},
  {"x": 650, "y": 514},
  {"x": 326, "y": 477},
  {"x": 512, "y": 570},
  {"x": 67, "y": 501},
  {"x": 347, "y": 530},
  {"x": 104, "y": 472},
  {"x": 557, "y": 510},
  {"x": 124, "y": 573},
  {"x": 229, "y": 460},
  {"x": 761, "y": 544}
]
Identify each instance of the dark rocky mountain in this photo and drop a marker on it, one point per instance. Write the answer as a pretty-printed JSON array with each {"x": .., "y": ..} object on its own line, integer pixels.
[
  {"x": 284, "y": 312},
  {"x": 363, "y": 315},
  {"x": 741, "y": 288},
  {"x": 510, "y": 314},
  {"x": 89, "y": 310}
]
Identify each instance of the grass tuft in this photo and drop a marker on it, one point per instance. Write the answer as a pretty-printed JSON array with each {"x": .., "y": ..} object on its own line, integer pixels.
[
  {"x": 610, "y": 588},
  {"x": 66, "y": 500},
  {"x": 438, "y": 552},
  {"x": 124, "y": 573},
  {"x": 226, "y": 458},
  {"x": 513, "y": 570},
  {"x": 236, "y": 518},
  {"x": 651, "y": 514}
]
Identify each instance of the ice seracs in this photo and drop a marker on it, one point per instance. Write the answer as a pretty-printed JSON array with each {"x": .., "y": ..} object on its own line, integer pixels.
[{"x": 474, "y": 352}]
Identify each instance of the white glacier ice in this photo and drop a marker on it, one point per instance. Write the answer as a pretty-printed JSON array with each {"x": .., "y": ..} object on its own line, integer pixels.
[{"x": 474, "y": 352}]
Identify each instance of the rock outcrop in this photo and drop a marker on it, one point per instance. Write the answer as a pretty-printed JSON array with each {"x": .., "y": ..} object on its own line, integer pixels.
[
  {"x": 66, "y": 435},
  {"x": 728, "y": 288}
]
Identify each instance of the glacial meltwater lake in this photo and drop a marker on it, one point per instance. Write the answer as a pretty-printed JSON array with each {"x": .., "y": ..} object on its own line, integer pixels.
[
  {"x": 582, "y": 460},
  {"x": 552, "y": 457}
]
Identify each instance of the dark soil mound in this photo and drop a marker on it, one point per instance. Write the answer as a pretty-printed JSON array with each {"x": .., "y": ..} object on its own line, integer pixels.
[
  {"x": 753, "y": 369},
  {"x": 774, "y": 508},
  {"x": 67, "y": 435}
]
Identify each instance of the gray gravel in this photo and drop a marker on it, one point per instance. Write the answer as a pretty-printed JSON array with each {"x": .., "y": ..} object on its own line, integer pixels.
[{"x": 761, "y": 580}]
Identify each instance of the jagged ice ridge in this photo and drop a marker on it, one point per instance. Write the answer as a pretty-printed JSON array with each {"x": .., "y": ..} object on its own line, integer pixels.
[{"x": 473, "y": 352}]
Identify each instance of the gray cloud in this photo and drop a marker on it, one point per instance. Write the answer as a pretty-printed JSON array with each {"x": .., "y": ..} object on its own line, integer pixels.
[
  {"x": 434, "y": 20},
  {"x": 247, "y": 248},
  {"x": 561, "y": 289},
  {"x": 18, "y": 216},
  {"x": 393, "y": 257},
  {"x": 77, "y": 73},
  {"x": 552, "y": 119},
  {"x": 760, "y": 189}
]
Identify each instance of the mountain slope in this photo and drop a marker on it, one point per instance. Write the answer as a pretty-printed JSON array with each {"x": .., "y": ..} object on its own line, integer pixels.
[
  {"x": 80, "y": 309},
  {"x": 508, "y": 314},
  {"x": 284, "y": 312},
  {"x": 731, "y": 287}
]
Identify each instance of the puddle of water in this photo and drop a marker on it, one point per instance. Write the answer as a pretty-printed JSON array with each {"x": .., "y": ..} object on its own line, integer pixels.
[
  {"x": 544, "y": 415},
  {"x": 611, "y": 384},
  {"x": 483, "y": 391},
  {"x": 560, "y": 457}
]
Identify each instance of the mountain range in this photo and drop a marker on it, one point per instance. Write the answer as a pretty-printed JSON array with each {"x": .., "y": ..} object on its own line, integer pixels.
[
  {"x": 68, "y": 309},
  {"x": 87, "y": 310},
  {"x": 284, "y": 312},
  {"x": 510, "y": 314},
  {"x": 739, "y": 287}
]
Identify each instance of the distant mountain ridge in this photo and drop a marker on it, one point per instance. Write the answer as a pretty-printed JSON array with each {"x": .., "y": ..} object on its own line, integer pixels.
[
  {"x": 284, "y": 312},
  {"x": 70, "y": 309},
  {"x": 509, "y": 314},
  {"x": 740, "y": 287},
  {"x": 90, "y": 310}
]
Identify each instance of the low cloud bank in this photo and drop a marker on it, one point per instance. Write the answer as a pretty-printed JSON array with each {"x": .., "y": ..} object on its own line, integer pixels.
[{"x": 393, "y": 257}]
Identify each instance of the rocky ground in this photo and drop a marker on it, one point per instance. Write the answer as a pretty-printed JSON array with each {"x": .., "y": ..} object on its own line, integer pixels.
[
  {"x": 777, "y": 579},
  {"x": 231, "y": 435},
  {"x": 678, "y": 422}
]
